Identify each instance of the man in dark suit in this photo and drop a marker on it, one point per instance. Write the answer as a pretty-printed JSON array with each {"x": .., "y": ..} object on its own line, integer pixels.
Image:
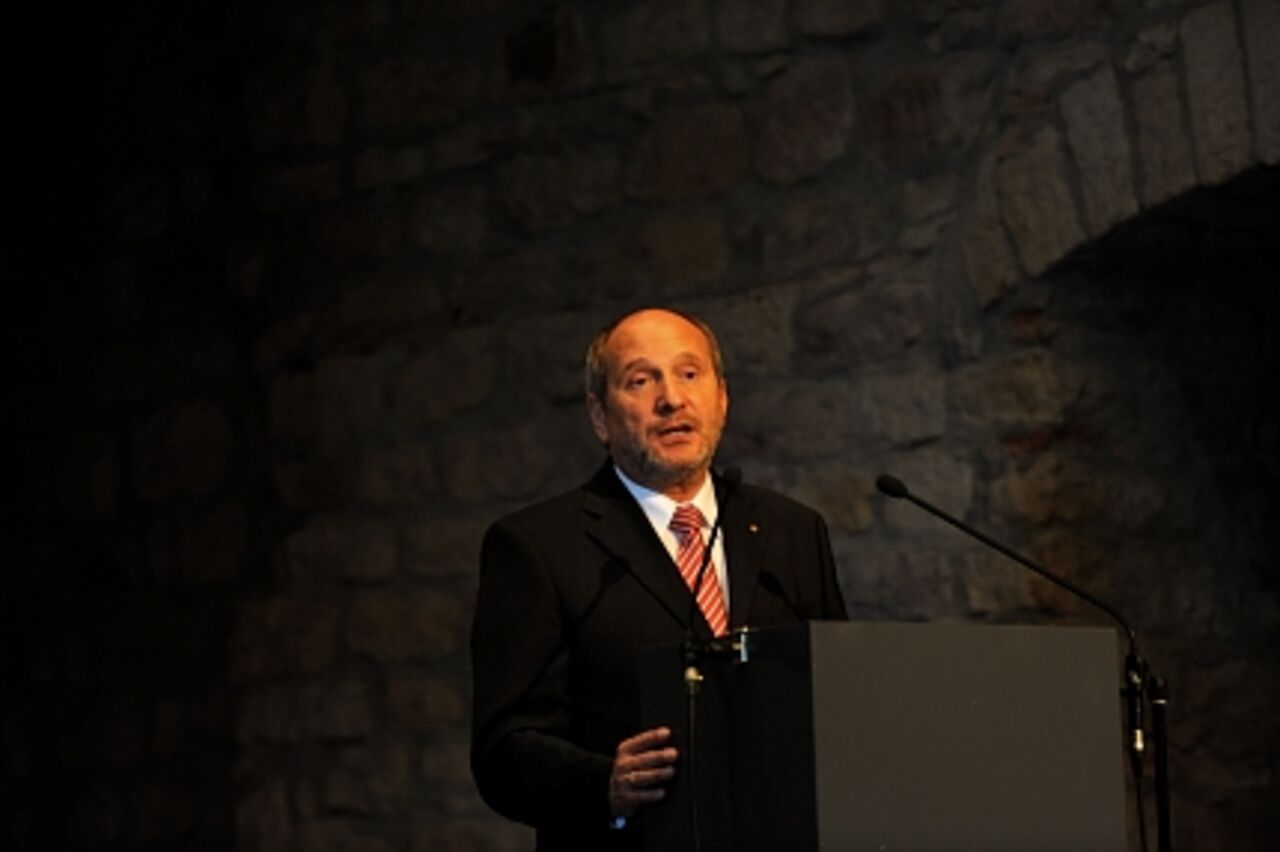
[{"x": 572, "y": 589}]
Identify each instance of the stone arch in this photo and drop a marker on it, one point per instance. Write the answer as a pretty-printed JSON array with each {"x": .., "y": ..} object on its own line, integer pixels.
[{"x": 1191, "y": 105}]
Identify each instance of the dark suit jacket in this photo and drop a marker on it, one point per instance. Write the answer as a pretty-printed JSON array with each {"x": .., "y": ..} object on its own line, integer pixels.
[{"x": 571, "y": 590}]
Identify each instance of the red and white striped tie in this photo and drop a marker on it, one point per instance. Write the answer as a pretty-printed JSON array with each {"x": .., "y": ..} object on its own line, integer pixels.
[{"x": 687, "y": 523}]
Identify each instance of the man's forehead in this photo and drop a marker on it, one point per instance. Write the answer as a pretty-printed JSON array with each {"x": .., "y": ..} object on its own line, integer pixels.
[{"x": 660, "y": 331}]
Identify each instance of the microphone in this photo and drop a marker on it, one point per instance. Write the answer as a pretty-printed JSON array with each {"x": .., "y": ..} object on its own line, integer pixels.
[
  {"x": 1135, "y": 667},
  {"x": 731, "y": 477}
]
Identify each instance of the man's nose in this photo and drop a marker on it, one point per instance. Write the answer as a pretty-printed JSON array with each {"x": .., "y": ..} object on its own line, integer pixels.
[{"x": 671, "y": 398}]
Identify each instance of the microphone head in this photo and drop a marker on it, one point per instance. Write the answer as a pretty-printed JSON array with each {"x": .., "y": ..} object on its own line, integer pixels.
[{"x": 891, "y": 485}]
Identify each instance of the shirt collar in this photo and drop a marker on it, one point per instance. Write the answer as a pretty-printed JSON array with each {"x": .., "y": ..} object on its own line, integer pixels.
[{"x": 655, "y": 503}]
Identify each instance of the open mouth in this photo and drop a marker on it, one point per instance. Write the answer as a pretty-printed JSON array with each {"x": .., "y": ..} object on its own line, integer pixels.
[{"x": 676, "y": 430}]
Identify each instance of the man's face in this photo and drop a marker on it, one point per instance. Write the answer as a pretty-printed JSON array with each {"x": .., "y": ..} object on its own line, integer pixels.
[{"x": 664, "y": 407}]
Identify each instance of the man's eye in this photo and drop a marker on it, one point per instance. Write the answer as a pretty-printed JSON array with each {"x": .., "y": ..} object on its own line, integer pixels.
[
  {"x": 690, "y": 374},
  {"x": 637, "y": 382}
]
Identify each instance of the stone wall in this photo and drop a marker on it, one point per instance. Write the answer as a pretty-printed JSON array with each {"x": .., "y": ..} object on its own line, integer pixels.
[{"x": 353, "y": 253}]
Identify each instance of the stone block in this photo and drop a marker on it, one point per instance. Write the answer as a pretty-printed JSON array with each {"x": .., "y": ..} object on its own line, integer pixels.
[
  {"x": 1100, "y": 143},
  {"x": 331, "y": 547},
  {"x": 508, "y": 464},
  {"x": 690, "y": 152},
  {"x": 182, "y": 450},
  {"x": 1260, "y": 24},
  {"x": 754, "y": 329},
  {"x": 283, "y": 636},
  {"x": 446, "y": 769},
  {"x": 540, "y": 193},
  {"x": 993, "y": 584},
  {"x": 1021, "y": 390},
  {"x": 393, "y": 626},
  {"x": 396, "y": 476},
  {"x": 934, "y": 474},
  {"x": 370, "y": 780},
  {"x": 364, "y": 317},
  {"x": 837, "y": 17},
  {"x": 1216, "y": 92},
  {"x": 1034, "y": 20},
  {"x": 1034, "y": 81},
  {"x": 464, "y": 833},
  {"x": 805, "y": 120},
  {"x": 1052, "y": 487},
  {"x": 444, "y": 547},
  {"x": 901, "y": 408},
  {"x": 458, "y": 373},
  {"x": 351, "y": 397},
  {"x": 547, "y": 353},
  {"x": 1036, "y": 203},
  {"x": 988, "y": 257},
  {"x": 1155, "y": 45},
  {"x": 424, "y": 704},
  {"x": 792, "y": 421},
  {"x": 852, "y": 326},
  {"x": 810, "y": 232},
  {"x": 905, "y": 119},
  {"x": 298, "y": 712},
  {"x": 752, "y": 26},
  {"x": 400, "y": 93},
  {"x": 843, "y": 495},
  {"x": 638, "y": 39},
  {"x": 289, "y": 104},
  {"x": 1167, "y": 168},
  {"x": 380, "y": 166},
  {"x": 684, "y": 252}
]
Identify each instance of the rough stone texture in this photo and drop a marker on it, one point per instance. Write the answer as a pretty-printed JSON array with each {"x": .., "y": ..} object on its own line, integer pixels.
[
  {"x": 1167, "y": 165},
  {"x": 284, "y": 636},
  {"x": 691, "y": 152},
  {"x": 1021, "y": 390},
  {"x": 1095, "y": 128},
  {"x": 805, "y": 121},
  {"x": 398, "y": 625},
  {"x": 1260, "y": 25},
  {"x": 451, "y": 221},
  {"x": 988, "y": 257},
  {"x": 751, "y": 26},
  {"x": 336, "y": 709},
  {"x": 457, "y": 373},
  {"x": 429, "y": 704},
  {"x": 314, "y": 317},
  {"x": 837, "y": 17},
  {"x": 636, "y": 40},
  {"x": 1215, "y": 91},
  {"x": 1036, "y": 203},
  {"x": 683, "y": 252},
  {"x": 347, "y": 548}
]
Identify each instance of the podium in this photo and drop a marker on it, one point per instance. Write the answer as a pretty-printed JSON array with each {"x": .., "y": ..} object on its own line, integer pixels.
[{"x": 844, "y": 737}]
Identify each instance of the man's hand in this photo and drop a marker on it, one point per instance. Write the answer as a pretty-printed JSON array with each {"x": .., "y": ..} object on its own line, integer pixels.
[{"x": 641, "y": 766}]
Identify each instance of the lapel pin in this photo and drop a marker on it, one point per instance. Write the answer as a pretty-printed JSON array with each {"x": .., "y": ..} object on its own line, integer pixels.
[{"x": 753, "y": 527}]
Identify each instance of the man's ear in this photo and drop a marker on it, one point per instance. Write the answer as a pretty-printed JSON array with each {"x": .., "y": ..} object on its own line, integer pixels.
[{"x": 595, "y": 413}]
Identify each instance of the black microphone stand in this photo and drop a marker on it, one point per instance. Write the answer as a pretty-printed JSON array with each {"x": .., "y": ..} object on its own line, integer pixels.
[{"x": 1137, "y": 675}]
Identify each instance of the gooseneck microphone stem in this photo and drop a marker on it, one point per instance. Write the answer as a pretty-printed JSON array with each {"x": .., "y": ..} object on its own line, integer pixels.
[
  {"x": 692, "y": 676},
  {"x": 1136, "y": 673}
]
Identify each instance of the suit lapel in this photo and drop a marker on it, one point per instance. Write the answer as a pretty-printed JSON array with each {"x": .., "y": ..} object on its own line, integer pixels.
[
  {"x": 744, "y": 546},
  {"x": 615, "y": 522}
]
